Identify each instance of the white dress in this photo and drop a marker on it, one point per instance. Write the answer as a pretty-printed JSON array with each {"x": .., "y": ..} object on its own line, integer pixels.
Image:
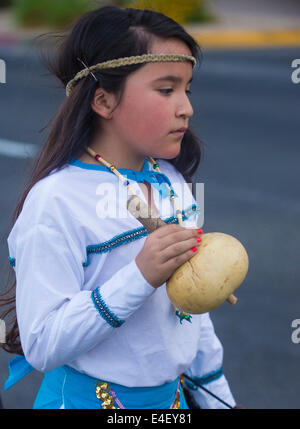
[{"x": 81, "y": 299}]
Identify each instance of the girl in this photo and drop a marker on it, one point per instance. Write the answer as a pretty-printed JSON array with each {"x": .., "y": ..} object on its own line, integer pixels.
[{"x": 91, "y": 303}]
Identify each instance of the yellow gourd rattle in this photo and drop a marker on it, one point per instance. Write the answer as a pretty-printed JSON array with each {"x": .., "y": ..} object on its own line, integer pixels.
[{"x": 210, "y": 277}]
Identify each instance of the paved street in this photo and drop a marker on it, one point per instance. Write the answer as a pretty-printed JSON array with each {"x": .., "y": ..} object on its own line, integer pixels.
[{"x": 247, "y": 114}]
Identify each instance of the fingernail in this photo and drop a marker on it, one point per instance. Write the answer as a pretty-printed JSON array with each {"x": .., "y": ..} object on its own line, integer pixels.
[
  {"x": 194, "y": 249},
  {"x": 198, "y": 239},
  {"x": 200, "y": 231}
]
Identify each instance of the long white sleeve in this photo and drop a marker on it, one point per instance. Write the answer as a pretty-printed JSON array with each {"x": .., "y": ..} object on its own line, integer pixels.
[
  {"x": 207, "y": 370},
  {"x": 58, "y": 320}
]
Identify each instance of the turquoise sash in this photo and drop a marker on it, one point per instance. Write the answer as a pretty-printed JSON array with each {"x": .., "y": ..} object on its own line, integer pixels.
[
  {"x": 65, "y": 385},
  {"x": 18, "y": 368}
]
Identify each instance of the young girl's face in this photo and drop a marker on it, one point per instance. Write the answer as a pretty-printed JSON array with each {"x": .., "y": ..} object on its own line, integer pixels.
[{"x": 152, "y": 109}]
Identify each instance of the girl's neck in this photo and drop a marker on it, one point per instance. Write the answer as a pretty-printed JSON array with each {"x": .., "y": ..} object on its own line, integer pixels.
[{"x": 120, "y": 158}]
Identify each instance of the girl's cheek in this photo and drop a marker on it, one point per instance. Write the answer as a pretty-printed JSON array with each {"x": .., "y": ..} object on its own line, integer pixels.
[
  {"x": 158, "y": 123},
  {"x": 149, "y": 114}
]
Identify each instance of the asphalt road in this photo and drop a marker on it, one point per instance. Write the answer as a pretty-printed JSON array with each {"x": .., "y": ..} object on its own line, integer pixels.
[{"x": 247, "y": 114}]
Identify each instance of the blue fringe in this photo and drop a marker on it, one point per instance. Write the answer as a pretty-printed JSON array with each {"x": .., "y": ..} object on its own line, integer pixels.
[
  {"x": 104, "y": 311},
  {"x": 132, "y": 235}
]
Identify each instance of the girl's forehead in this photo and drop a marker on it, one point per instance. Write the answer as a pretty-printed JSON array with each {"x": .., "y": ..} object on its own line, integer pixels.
[
  {"x": 155, "y": 72},
  {"x": 169, "y": 46},
  {"x": 150, "y": 72}
]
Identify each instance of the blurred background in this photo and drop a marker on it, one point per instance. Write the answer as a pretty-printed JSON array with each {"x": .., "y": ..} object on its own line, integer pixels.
[{"x": 246, "y": 111}]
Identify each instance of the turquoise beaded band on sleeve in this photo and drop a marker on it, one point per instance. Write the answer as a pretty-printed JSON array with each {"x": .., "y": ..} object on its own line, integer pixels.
[{"x": 104, "y": 311}]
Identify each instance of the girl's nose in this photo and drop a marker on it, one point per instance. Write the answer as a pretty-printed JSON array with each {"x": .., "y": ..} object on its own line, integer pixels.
[{"x": 185, "y": 108}]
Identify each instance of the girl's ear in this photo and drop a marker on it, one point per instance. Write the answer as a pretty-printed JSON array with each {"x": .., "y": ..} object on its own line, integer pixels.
[{"x": 103, "y": 103}]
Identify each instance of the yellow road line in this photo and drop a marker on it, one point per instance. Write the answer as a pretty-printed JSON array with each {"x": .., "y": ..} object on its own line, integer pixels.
[{"x": 247, "y": 38}]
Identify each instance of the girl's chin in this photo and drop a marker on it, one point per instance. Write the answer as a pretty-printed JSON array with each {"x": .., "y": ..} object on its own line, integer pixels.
[
  {"x": 174, "y": 152},
  {"x": 166, "y": 155},
  {"x": 171, "y": 151}
]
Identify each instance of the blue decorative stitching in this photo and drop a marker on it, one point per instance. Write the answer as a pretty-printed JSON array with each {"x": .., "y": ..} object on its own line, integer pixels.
[
  {"x": 104, "y": 311},
  {"x": 116, "y": 241},
  {"x": 208, "y": 378},
  {"x": 132, "y": 235},
  {"x": 212, "y": 376},
  {"x": 190, "y": 211},
  {"x": 12, "y": 261}
]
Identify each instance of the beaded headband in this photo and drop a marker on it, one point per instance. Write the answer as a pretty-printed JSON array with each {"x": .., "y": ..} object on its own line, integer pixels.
[{"x": 147, "y": 58}]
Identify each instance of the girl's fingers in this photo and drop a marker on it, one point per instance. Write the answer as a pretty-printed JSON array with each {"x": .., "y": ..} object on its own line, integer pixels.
[
  {"x": 180, "y": 248},
  {"x": 173, "y": 263},
  {"x": 177, "y": 237}
]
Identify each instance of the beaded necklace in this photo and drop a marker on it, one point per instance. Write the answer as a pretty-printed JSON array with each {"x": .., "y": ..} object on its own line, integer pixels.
[{"x": 182, "y": 315}]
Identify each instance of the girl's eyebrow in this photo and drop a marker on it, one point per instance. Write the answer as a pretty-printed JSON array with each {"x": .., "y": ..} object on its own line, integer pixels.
[{"x": 175, "y": 79}]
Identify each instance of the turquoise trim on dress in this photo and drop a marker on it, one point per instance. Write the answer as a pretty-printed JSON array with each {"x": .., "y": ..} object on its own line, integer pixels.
[
  {"x": 132, "y": 235},
  {"x": 114, "y": 242},
  {"x": 104, "y": 311},
  {"x": 87, "y": 166},
  {"x": 206, "y": 379},
  {"x": 212, "y": 376},
  {"x": 158, "y": 180}
]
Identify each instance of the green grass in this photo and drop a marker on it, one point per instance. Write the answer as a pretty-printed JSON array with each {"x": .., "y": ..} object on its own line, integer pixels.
[
  {"x": 61, "y": 13},
  {"x": 201, "y": 15},
  {"x": 50, "y": 13}
]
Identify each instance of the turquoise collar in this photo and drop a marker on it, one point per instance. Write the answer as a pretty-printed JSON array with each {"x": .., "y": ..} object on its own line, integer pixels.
[
  {"x": 99, "y": 167},
  {"x": 157, "y": 180}
]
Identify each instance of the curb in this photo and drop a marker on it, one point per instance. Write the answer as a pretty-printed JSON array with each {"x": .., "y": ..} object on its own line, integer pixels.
[
  {"x": 215, "y": 39},
  {"x": 246, "y": 38}
]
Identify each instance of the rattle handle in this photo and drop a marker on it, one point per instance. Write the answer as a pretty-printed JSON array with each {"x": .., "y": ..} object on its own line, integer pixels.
[
  {"x": 140, "y": 210},
  {"x": 232, "y": 299},
  {"x": 143, "y": 213}
]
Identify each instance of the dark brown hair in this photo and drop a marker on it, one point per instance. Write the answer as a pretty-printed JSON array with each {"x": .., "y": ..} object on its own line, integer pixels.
[{"x": 100, "y": 35}]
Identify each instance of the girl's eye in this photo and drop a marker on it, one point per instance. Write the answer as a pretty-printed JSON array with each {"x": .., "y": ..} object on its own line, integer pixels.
[
  {"x": 166, "y": 91},
  {"x": 169, "y": 90}
]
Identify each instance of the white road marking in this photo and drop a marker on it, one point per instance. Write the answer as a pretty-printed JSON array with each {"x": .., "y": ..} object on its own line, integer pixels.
[{"x": 17, "y": 149}]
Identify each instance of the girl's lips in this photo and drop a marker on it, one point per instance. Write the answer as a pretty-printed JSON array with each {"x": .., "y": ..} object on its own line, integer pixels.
[{"x": 178, "y": 133}]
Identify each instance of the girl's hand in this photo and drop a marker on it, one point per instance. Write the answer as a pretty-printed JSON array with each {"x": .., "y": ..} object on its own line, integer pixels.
[{"x": 165, "y": 249}]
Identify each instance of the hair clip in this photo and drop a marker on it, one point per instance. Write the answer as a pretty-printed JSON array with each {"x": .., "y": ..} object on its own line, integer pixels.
[{"x": 87, "y": 67}]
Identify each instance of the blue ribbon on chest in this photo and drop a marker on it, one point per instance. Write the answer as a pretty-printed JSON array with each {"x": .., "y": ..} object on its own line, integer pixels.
[{"x": 156, "y": 179}]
